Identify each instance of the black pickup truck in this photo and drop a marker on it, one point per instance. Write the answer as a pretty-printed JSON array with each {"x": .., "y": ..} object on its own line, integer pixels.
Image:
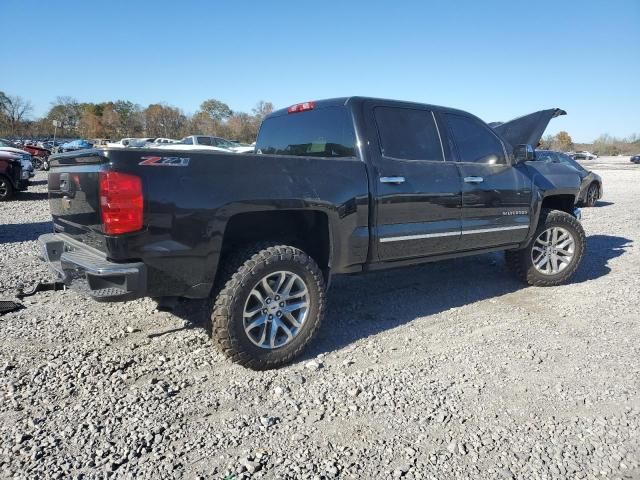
[{"x": 338, "y": 186}]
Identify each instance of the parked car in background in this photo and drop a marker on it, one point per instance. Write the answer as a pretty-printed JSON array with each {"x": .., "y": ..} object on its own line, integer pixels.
[
  {"x": 199, "y": 142},
  {"x": 635, "y": 159},
  {"x": 584, "y": 156},
  {"x": 13, "y": 177},
  {"x": 25, "y": 157},
  {"x": 590, "y": 183},
  {"x": 75, "y": 145},
  {"x": 162, "y": 141},
  {"x": 131, "y": 142},
  {"x": 240, "y": 148}
]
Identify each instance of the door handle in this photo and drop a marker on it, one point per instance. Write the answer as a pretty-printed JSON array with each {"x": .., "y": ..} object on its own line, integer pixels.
[
  {"x": 473, "y": 179},
  {"x": 393, "y": 180}
]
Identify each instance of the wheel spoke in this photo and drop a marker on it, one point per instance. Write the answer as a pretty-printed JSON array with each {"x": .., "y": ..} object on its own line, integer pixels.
[
  {"x": 292, "y": 320},
  {"x": 256, "y": 323},
  {"x": 267, "y": 288},
  {"x": 281, "y": 280},
  {"x": 286, "y": 330},
  {"x": 299, "y": 294},
  {"x": 258, "y": 295},
  {"x": 294, "y": 306},
  {"x": 273, "y": 334},
  {"x": 287, "y": 288}
]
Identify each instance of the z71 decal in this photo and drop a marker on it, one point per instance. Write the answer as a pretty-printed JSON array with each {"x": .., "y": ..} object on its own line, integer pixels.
[{"x": 165, "y": 161}]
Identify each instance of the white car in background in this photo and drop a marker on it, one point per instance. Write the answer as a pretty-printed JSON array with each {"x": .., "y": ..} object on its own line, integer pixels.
[
  {"x": 163, "y": 141},
  {"x": 200, "y": 142},
  {"x": 131, "y": 142}
]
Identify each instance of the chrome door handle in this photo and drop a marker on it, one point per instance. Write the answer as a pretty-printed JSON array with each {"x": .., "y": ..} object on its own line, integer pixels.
[
  {"x": 393, "y": 180},
  {"x": 473, "y": 179}
]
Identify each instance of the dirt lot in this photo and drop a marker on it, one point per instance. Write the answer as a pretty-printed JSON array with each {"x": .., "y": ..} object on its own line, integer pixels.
[{"x": 448, "y": 370}]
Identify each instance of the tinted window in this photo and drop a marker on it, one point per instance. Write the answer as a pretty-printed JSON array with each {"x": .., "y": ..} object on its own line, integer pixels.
[
  {"x": 474, "y": 142},
  {"x": 204, "y": 141},
  {"x": 187, "y": 141},
  {"x": 323, "y": 132},
  {"x": 408, "y": 134}
]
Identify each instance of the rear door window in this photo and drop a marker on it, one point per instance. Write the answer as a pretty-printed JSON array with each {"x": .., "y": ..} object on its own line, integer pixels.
[
  {"x": 322, "y": 132},
  {"x": 408, "y": 134},
  {"x": 473, "y": 141},
  {"x": 204, "y": 141}
]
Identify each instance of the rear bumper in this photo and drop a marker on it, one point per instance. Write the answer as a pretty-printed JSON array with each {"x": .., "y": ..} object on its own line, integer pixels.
[{"x": 86, "y": 270}]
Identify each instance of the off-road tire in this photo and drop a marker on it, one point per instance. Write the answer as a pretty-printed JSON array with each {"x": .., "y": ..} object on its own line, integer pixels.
[
  {"x": 6, "y": 189},
  {"x": 519, "y": 261},
  {"x": 240, "y": 272}
]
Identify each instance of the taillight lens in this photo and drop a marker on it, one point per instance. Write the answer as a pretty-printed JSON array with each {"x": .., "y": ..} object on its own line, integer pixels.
[
  {"x": 301, "y": 107},
  {"x": 121, "y": 202}
]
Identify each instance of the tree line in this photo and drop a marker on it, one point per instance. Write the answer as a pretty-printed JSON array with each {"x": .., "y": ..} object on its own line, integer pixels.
[
  {"x": 603, "y": 145},
  {"x": 123, "y": 118}
]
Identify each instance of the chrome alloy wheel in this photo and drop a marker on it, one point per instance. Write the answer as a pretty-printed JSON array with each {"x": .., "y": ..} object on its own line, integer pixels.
[
  {"x": 553, "y": 250},
  {"x": 4, "y": 188},
  {"x": 277, "y": 307},
  {"x": 592, "y": 195}
]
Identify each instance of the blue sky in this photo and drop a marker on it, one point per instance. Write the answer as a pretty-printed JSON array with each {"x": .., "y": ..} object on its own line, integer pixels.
[{"x": 497, "y": 60}]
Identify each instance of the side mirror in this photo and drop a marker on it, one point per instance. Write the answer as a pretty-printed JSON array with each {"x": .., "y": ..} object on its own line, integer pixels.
[{"x": 523, "y": 153}]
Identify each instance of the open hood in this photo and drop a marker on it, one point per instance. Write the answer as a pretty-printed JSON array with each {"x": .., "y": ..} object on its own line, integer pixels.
[{"x": 527, "y": 129}]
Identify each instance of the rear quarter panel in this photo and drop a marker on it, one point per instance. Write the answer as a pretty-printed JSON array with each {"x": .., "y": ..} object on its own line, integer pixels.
[{"x": 188, "y": 207}]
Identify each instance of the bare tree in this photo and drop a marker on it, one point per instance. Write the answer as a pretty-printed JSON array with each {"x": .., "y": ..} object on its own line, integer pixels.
[{"x": 15, "y": 109}]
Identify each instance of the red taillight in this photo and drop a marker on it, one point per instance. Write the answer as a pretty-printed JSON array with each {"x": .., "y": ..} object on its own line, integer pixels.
[
  {"x": 301, "y": 107},
  {"x": 121, "y": 202}
]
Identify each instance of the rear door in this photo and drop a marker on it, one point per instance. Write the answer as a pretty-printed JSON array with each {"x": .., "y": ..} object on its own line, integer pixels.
[
  {"x": 417, "y": 194},
  {"x": 496, "y": 196}
]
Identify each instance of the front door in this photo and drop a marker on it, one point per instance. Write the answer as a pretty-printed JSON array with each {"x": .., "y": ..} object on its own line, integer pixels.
[
  {"x": 496, "y": 196},
  {"x": 417, "y": 194}
]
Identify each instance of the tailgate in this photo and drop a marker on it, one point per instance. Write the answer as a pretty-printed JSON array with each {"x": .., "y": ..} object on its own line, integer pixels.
[{"x": 74, "y": 197}]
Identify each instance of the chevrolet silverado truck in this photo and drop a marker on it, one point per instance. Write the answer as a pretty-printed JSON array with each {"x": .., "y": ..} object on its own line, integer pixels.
[{"x": 339, "y": 186}]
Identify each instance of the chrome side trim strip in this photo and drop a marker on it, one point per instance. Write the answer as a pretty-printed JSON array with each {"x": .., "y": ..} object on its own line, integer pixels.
[
  {"x": 452, "y": 234},
  {"x": 418, "y": 237},
  {"x": 494, "y": 229}
]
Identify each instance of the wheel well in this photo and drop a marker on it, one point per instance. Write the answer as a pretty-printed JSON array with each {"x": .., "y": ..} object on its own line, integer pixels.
[
  {"x": 564, "y": 203},
  {"x": 306, "y": 230}
]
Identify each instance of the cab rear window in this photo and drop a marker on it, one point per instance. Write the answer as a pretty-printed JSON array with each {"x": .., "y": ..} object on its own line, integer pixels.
[{"x": 322, "y": 132}]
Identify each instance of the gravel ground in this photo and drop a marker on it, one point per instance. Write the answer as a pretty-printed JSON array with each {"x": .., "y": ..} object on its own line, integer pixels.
[{"x": 448, "y": 370}]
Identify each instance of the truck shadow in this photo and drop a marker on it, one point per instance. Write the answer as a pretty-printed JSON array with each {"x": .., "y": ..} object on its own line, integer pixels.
[
  {"x": 28, "y": 196},
  {"x": 363, "y": 305},
  {"x": 23, "y": 232}
]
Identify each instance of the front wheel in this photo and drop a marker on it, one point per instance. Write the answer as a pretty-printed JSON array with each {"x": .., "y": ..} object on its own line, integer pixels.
[
  {"x": 270, "y": 307},
  {"x": 6, "y": 189},
  {"x": 592, "y": 195},
  {"x": 555, "y": 252}
]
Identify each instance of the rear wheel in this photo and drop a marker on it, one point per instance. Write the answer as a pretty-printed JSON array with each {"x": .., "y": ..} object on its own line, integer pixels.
[
  {"x": 6, "y": 189},
  {"x": 554, "y": 254},
  {"x": 592, "y": 195},
  {"x": 270, "y": 307}
]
